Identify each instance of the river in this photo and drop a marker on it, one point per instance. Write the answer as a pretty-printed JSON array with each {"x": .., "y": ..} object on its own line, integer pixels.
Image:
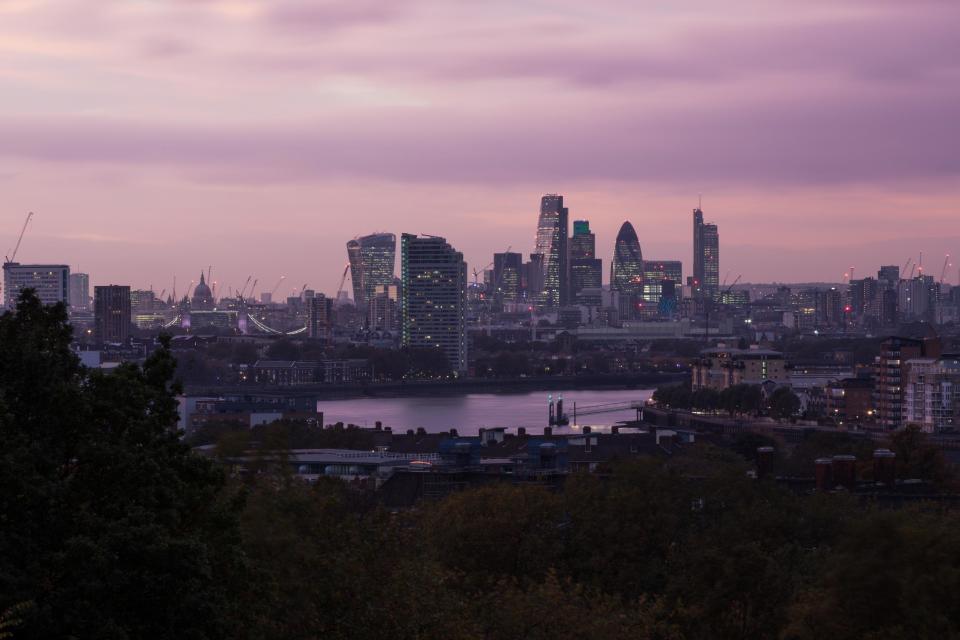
[{"x": 468, "y": 413}]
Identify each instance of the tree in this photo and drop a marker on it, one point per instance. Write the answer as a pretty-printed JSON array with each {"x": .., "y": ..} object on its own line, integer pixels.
[
  {"x": 111, "y": 526},
  {"x": 784, "y": 403}
]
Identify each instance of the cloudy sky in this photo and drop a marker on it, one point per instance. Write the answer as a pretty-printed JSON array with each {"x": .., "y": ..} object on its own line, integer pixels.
[{"x": 156, "y": 137}]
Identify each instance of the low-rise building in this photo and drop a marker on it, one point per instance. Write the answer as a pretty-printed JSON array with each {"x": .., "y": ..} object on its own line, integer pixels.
[{"x": 721, "y": 367}]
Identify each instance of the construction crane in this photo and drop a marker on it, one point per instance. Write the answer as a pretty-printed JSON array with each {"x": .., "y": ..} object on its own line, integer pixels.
[
  {"x": 943, "y": 272},
  {"x": 906, "y": 264},
  {"x": 13, "y": 254},
  {"x": 708, "y": 303},
  {"x": 277, "y": 286},
  {"x": 253, "y": 289},
  {"x": 343, "y": 280},
  {"x": 244, "y": 289}
]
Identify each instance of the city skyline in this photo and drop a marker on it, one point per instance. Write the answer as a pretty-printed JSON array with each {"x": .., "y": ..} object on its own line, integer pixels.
[{"x": 123, "y": 146}]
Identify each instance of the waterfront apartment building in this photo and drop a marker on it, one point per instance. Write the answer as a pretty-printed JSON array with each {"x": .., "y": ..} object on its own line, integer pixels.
[
  {"x": 50, "y": 281},
  {"x": 111, "y": 313},
  {"x": 721, "y": 367},
  {"x": 706, "y": 257},
  {"x": 372, "y": 260},
  {"x": 891, "y": 375},
  {"x": 433, "y": 300},
  {"x": 551, "y": 244},
  {"x": 932, "y": 393}
]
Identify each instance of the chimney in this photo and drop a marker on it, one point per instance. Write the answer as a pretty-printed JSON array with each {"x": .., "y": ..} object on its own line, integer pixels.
[
  {"x": 521, "y": 431},
  {"x": 388, "y": 429},
  {"x": 548, "y": 431},
  {"x": 844, "y": 471},
  {"x": 378, "y": 425},
  {"x": 823, "y": 473},
  {"x": 586, "y": 431},
  {"x": 409, "y": 432},
  {"x": 614, "y": 430},
  {"x": 421, "y": 431},
  {"x": 764, "y": 462},
  {"x": 885, "y": 467},
  {"x": 453, "y": 432}
]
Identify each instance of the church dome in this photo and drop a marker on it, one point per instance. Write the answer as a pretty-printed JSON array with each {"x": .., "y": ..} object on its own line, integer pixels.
[{"x": 202, "y": 296}]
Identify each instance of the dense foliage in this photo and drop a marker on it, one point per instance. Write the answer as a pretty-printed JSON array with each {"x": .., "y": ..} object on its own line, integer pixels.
[{"x": 111, "y": 528}]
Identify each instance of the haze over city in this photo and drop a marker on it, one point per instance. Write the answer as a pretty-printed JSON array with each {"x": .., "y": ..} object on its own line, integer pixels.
[{"x": 156, "y": 138}]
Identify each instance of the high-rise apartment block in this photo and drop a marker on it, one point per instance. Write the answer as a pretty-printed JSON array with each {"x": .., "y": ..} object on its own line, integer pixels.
[
  {"x": 79, "y": 292},
  {"x": 319, "y": 317},
  {"x": 433, "y": 300},
  {"x": 111, "y": 312}
]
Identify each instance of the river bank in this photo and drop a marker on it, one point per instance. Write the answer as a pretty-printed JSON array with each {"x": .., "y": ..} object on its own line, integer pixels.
[{"x": 435, "y": 388}]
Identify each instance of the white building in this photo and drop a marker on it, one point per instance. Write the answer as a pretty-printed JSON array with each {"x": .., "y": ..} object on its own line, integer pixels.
[
  {"x": 51, "y": 282},
  {"x": 932, "y": 393}
]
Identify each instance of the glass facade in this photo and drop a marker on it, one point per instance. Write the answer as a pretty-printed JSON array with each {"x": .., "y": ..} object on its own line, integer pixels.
[
  {"x": 51, "y": 282},
  {"x": 372, "y": 260},
  {"x": 706, "y": 257},
  {"x": 552, "y": 245},
  {"x": 662, "y": 281},
  {"x": 507, "y": 276},
  {"x": 626, "y": 271}
]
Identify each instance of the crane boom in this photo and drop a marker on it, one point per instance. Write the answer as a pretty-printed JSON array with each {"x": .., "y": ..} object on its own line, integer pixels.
[
  {"x": 13, "y": 256},
  {"x": 343, "y": 280},
  {"x": 277, "y": 286},
  {"x": 943, "y": 272}
]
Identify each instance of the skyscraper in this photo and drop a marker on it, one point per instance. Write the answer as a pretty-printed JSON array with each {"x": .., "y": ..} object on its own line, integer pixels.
[
  {"x": 111, "y": 312},
  {"x": 507, "y": 276},
  {"x": 433, "y": 300},
  {"x": 586, "y": 270},
  {"x": 706, "y": 257},
  {"x": 583, "y": 244},
  {"x": 661, "y": 278},
  {"x": 626, "y": 270},
  {"x": 50, "y": 281},
  {"x": 372, "y": 260},
  {"x": 552, "y": 245},
  {"x": 79, "y": 291}
]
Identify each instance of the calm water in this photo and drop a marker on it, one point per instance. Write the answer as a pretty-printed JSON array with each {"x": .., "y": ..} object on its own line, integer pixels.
[{"x": 467, "y": 413}]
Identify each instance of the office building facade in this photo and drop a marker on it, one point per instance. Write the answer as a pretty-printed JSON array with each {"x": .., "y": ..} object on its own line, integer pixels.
[
  {"x": 626, "y": 270},
  {"x": 319, "y": 317},
  {"x": 552, "y": 229},
  {"x": 50, "y": 281},
  {"x": 706, "y": 257},
  {"x": 507, "y": 277},
  {"x": 372, "y": 259},
  {"x": 433, "y": 299}
]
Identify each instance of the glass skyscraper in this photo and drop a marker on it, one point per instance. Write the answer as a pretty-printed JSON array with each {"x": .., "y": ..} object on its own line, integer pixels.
[
  {"x": 552, "y": 245},
  {"x": 706, "y": 257},
  {"x": 507, "y": 276},
  {"x": 661, "y": 279},
  {"x": 372, "y": 260},
  {"x": 626, "y": 271},
  {"x": 433, "y": 298},
  {"x": 586, "y": 270}
]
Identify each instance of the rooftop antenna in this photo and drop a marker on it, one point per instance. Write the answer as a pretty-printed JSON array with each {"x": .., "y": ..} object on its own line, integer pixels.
[{"x": 700, "y": 201}]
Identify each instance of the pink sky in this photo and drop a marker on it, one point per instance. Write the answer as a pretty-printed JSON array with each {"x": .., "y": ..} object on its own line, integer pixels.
[{"x": 155, "y": 137}]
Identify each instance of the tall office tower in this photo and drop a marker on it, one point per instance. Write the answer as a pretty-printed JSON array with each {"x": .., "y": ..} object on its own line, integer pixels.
[
  {"x": 382, "y": 313},
  {"x": 586, "y": 270},
  {"x": 892, "y": 375},
  {"x": 585, "y": 273},
  {"x": 626, "y": 271},
  {"x": 50, "y": 281},
  {"x": 656, "y": 275},
  {"x": 372, "y": 260},
  {"x": 111, "y": 313},
  {"x": 552, "y": 245},
  {"x": 507, "y": 277},
  {"x": 79, "y": 291},
  {"x": 319, "y": 317},
  {"x": 583, "y": 244},
  {"x": 706, "y": 257},
  {"x": 433, "y": 299}
]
